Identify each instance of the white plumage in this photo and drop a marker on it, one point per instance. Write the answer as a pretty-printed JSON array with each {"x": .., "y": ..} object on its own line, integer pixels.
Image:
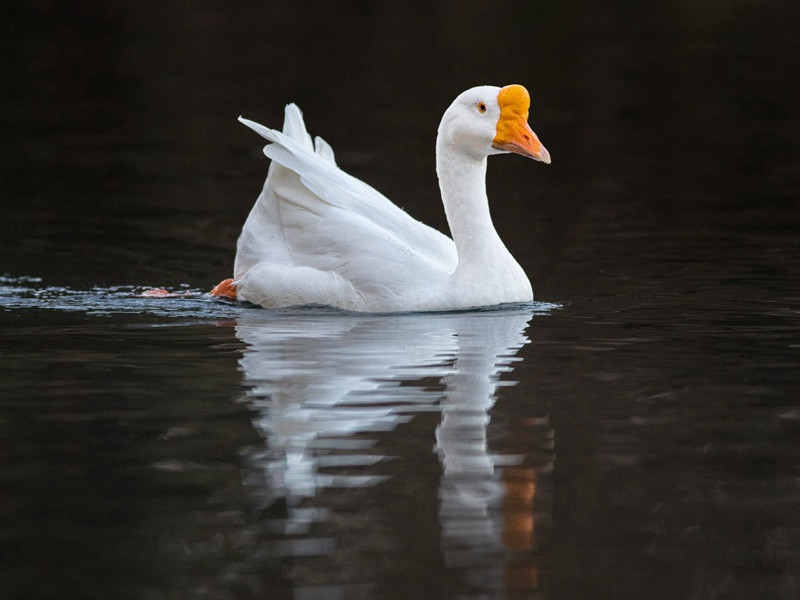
[{"x": 317, "y": 235}]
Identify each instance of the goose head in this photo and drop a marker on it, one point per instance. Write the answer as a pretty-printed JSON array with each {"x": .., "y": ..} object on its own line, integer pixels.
[{"x": 488, "y": 120}]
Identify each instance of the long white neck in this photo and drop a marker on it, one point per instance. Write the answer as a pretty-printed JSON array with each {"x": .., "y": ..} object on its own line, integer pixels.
[
  {"x": 485, "y": 266},
  {"x": 462, "y": 181}
]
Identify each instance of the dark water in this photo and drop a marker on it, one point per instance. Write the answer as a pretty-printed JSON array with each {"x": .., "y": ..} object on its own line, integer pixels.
[{"x": 633, "y": 434}]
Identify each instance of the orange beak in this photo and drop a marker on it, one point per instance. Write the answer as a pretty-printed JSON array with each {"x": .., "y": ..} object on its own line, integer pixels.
[{"x": 513, "y": 134}]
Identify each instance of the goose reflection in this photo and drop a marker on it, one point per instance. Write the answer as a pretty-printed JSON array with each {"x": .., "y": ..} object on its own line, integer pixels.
[{"x": 327, "y": 388}]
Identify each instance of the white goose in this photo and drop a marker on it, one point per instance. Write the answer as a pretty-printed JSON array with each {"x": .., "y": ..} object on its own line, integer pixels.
[{"x": 318, "y": 236}]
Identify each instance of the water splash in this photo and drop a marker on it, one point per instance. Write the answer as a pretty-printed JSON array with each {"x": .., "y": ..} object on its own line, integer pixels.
[
  {"x": 19, "y": 293},
  {"x": 180, "y": 302}
]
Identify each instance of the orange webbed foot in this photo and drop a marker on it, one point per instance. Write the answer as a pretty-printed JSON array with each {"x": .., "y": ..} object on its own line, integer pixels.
[
  {"x": 155, "y": 293},
  {"x": 225, "y": 289}
]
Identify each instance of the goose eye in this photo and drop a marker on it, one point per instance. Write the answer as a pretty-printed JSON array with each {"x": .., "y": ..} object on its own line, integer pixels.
[{"x": 482, "y": 107}]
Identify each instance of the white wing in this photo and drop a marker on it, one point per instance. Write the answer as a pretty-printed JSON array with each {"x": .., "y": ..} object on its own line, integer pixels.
[{"x": 312, "y": 214}]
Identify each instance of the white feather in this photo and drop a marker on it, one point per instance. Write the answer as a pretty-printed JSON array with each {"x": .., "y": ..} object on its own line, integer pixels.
[
  {"x": 317, "y": 235},
  {"x": 316, "y": 230}
]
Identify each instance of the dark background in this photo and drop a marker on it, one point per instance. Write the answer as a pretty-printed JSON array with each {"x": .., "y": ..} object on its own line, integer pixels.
[
  {"x": 666, "y": 228},
  {"x": 122, "y": 161}
]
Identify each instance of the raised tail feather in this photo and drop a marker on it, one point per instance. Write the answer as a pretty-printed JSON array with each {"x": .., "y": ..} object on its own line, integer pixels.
[{"x": 294, "y": 129}]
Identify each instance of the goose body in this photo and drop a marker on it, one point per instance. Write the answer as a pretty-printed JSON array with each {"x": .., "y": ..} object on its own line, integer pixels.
[{"x": 318, "y": 236}]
